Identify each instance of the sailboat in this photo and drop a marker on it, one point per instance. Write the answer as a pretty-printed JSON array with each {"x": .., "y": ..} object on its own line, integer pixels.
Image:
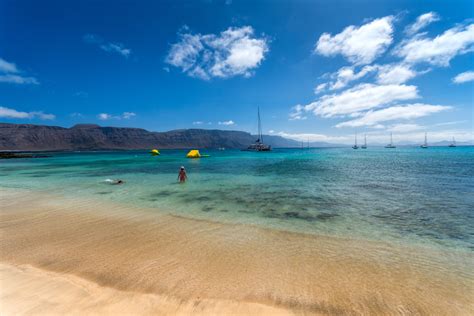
[
  {"x": 453, "y": 143},
  {"x": 365, "y": 143},
  {"x": 391, "y": 145},
  {"x": 259, "y": 145},
  {"x": 425, "y": 144},
  {"x": 355, "y": 142}
]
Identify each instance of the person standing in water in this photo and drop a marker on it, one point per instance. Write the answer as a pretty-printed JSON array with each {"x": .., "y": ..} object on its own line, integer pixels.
[{"x": 182, "y": 175}]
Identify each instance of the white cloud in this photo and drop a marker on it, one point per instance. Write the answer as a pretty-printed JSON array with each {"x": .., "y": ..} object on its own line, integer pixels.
[
  {"x": 8, "y": 78},
  {"x": 9, "y": 73},
  {"x": 11, "y": 113},
  {"x": 104, "y": 116},
  {"x": 7, "y": 67},
  {"x": 110, "y": 47},
  {"x": 345, "y": 75},
  {"x": 303, "y": 137},
  {"x": 198, "y": 122},
  {"x": 320, "y": 88},
  {"x": 439, "y": 50},
  {"x": 360, "y": 45},
  {"x": 107, "y": 116},
  {"x": 421, "y": 22},
  {"x": 233, "y": 52},
  {"x": 116, "y": 48},
  {"x": 464, "y": 77},
  {"x": 404, "y": 128},
  {"x": 395, "y": 74},
  {"x": 385, "y": 74},
  {"x": 227, "y": 123},
  {"x": 298, "y": 113},
  {"x": 359, "y": 98},
  {"x": 451, "y": 123},
  {"x": 399, "y": 112},
  {"x": 128, "y": 115}
]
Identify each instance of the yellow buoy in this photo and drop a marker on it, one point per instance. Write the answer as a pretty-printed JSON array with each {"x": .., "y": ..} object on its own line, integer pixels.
[
  {"x": 193, "y": 154},
  {"x": 154, "y": 152}
]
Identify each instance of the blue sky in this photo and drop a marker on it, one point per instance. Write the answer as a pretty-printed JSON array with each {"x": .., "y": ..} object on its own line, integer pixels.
[{"x": 319, "y": 70}]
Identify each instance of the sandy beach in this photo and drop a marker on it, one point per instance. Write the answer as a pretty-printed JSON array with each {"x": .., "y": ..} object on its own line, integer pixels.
[{"x": 67, "y": 255}]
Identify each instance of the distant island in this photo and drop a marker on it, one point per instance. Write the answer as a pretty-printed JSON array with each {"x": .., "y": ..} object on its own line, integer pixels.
[{"x": 29, "y": 137}]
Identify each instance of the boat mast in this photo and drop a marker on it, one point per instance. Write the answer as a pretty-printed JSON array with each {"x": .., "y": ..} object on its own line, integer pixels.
[
  {"x": 355, "y": 139},
  {"x": 426, "y": 140},
  {"x": 365, "y": 140},
  {"x": 259, "y": 126},
  {"x": 391, "y": 139}
]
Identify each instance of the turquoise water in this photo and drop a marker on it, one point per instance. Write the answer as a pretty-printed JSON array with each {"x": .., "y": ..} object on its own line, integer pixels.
[{"x": 403, "y": 195}]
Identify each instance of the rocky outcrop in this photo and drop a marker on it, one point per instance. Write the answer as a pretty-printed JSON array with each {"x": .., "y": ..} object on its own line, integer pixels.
[{"x": 31, "y": 137}]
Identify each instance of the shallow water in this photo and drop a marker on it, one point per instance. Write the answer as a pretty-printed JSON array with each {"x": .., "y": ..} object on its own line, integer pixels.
[{"x": 405, "y": 195}]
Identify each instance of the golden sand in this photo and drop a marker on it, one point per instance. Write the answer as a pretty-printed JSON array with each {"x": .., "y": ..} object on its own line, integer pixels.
[{"x": 63, "y": 255}]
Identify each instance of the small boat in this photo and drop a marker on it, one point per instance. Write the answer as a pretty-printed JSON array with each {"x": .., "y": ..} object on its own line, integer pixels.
[
  {"x": 259, "y": 145},
  {"x": 425, "y": 144},
  {"x": 453, "y": 143},
  {"x": 391, "y": 145},
  {"x": 355, "y": 142},
  {"x": 365, "y": 143},
  {"x": 221, "y": 148}
]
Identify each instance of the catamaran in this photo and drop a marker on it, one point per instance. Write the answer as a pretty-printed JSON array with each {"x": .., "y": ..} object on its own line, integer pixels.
[
  {"x": 453, "y": 143},
  {"x": 259, "y": 145},
  {"x": 355, "y": 143},
  {"x": 365, "y": 143},
  {"x": 425, "y": 144},
  {"x": 391, "y": 145}
]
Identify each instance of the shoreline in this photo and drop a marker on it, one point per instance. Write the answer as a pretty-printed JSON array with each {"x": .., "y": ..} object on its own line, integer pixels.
[{"x": 185, "y": 260}]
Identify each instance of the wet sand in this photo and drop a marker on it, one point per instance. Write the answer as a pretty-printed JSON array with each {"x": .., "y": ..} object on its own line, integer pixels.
[{"x": 63, "y": 255}]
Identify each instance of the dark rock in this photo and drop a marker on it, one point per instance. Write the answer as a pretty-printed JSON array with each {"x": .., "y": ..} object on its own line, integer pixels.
[
  {"x": 94, "y": 137},
  {"x": 10, "y": 155}
]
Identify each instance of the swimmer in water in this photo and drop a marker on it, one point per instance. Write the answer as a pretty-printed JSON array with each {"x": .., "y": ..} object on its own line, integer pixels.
[
  {"x": 182, "y": 175},
  {"x": 118, "y": 181}
]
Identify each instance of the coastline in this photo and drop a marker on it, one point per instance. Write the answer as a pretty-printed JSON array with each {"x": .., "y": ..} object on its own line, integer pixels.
[{"x": 176, "y": 265}]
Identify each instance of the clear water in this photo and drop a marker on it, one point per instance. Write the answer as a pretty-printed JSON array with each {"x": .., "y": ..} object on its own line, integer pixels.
[{"x": 403, "y": 195}]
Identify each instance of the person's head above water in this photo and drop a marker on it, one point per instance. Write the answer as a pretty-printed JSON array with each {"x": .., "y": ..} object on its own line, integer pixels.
[{"x": 182, "y": 167}]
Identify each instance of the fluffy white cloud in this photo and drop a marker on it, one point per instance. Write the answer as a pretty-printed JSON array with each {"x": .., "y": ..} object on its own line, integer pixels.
[
  {"x": 124, "y": 115},
  {"x": 298, "y": 113},
  {"x": 360, "y": 45},
  {"x": 439, "y": 50},
  {"x": 395, "y": 74},
  {"x": 421, "y": 22},
  {"x": 128, "y": 115},
  {"x": 399, "y": 112},
  {"x": 198, "y": 122},
  {"x": 227, "y": 123},
  {"x": 7, "y": 67},
  {"x": 385, "y": 74},
  {"x": 9, "y": 73},
  {"x": 117, "y": 48},
  {"x": 359, "y": 98},
  {"x": 304, "y": 137},
  {"x": 8, "y": 78},
  {"x": 320, "y": 88},
  {"x": 404, "y": 128},
  {"x": 345, "y": 75},
  {"x": 464, "y": 77},
  {"x": 104, "y": 116},
  {"x": 233, "y": 52},
  {"x": 11, "y": 113}
]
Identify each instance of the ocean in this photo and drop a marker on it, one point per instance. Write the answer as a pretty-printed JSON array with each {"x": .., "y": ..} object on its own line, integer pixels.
[{"x": 407, "y": 195}]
